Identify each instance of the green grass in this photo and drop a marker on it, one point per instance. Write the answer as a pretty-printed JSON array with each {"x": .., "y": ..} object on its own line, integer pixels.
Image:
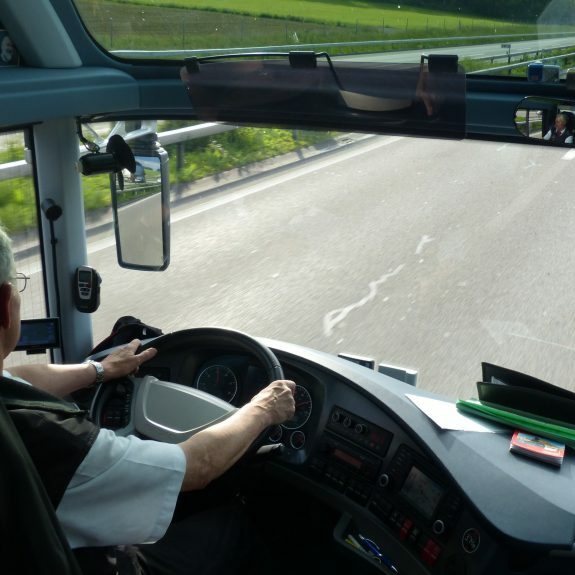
[
  {"x": 341, "y": 13},
  {"x": 201, "y": 158},
  {"x": 209, "y": 156},
  {"x": 199, "y": 24}
]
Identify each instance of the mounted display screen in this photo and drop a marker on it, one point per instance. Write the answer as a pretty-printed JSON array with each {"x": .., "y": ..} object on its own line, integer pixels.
[
  {"x": 421, "y": 492},
  {"x": 39, "y": 334}
]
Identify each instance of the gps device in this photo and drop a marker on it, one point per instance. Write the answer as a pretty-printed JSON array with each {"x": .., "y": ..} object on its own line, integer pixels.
[
  {"x": 38, "y": 335},
  {"x": 87, "y": 289}
]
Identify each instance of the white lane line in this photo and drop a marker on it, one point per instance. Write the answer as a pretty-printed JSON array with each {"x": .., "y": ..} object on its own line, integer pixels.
[
  {"x": 424, "y": 240},
  {"x": 570, "y": 155},
  {"x": 543, "y": 341},
  {"x": 332, "y": 318}
]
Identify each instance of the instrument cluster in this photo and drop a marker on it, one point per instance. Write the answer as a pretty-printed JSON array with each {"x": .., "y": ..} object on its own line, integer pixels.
[{"x": 236, "y": 379}]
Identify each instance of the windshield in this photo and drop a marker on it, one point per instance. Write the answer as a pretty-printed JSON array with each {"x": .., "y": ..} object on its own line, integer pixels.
[
  {"x": 431, "y": 255},
  {"x": 489, "y": 36}
]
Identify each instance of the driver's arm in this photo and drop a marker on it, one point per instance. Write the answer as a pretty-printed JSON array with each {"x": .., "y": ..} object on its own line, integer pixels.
[
  {"x": 212, "y": 451},
  {"x": 62, "y": 380}
]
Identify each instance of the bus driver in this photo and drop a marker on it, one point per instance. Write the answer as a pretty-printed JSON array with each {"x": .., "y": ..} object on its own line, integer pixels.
[{"x": 113, "y": 491}]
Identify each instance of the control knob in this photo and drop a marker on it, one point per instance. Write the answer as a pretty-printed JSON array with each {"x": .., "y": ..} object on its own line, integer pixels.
[
  {"x": 438, "y": 527},
  {"x": 384, "y": 480}
]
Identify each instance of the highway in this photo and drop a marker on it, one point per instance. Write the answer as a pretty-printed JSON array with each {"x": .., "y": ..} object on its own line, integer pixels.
[
  {"x": 471, "y": 52},
  {"x": 429, "y": 254}
]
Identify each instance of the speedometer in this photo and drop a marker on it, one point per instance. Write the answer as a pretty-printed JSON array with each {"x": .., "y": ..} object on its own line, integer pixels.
[
  {"x": 218, "y": 380},
  {"x": 303, "y": 407}
]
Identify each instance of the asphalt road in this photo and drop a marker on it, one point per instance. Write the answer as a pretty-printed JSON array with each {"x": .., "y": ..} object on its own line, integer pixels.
[
  {"x": 467, "y": 52},
  {"x": 434, "y": 255}
]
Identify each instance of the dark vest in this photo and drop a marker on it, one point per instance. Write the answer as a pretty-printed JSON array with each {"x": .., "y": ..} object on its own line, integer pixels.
[
  {"x": 559, "y": 138},
  {"x": 57, "y": 434}
]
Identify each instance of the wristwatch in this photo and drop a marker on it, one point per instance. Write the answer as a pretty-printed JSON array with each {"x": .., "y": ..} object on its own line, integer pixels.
[{"x": 99, "y": 371}]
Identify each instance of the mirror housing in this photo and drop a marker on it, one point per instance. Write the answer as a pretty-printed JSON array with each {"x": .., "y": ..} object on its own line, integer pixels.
[
  {"x": 541, "y": 120},
  {"x": 142, "y": 209}
]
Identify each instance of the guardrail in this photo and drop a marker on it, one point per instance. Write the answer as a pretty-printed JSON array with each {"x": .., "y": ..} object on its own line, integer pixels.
[
  {"x": 287, "y": 47},
  {"x": 510, "y": 67},
  {"x": 21, "y": 168}
]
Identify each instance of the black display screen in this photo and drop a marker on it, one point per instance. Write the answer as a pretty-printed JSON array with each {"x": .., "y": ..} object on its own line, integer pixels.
[
  {"x": 85, "y": 277},
  {"x": 421, "y": 492},
  {"x": 39, "y": 334}
]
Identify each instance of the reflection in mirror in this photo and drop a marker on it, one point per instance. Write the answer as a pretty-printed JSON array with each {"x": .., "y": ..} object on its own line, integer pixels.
[
  {"x": 141, "y": 214},
  {"x": 550, "y": 121}
]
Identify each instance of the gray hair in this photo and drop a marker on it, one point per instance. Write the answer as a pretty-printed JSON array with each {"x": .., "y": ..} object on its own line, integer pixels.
[{"x": 6, "y": 257}]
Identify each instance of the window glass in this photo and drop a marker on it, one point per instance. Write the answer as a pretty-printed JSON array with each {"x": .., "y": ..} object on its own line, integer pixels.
[
  {"x": 492, "y": 37},
  {"x": 18, "y": 215},
  {"x": 433, "y": 255}
]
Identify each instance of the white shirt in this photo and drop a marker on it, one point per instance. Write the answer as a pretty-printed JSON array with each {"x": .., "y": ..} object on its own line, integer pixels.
[{"x": 124, "y": 491}]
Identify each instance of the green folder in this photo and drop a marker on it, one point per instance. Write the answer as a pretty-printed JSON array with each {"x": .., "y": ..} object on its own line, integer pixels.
[{"x": 520, "y": 420}]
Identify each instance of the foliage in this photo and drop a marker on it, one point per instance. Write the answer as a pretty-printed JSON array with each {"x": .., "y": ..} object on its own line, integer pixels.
[
  {"x": 202, "y": 157},
  {"x": 235, "y": 149},
  {"x": 17, "y": 204}
]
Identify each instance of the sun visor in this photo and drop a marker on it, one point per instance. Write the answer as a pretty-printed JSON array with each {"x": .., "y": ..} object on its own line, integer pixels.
[{"x": 307, "y": 89}]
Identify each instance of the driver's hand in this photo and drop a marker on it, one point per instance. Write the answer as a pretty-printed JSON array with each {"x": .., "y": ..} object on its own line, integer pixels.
[
  {"x": 276, "y": 401},
  {"x": 126, "y": 361}
]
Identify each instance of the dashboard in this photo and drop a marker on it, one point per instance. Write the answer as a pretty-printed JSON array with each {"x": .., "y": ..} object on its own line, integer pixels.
[{"x": 426, "y": 500}]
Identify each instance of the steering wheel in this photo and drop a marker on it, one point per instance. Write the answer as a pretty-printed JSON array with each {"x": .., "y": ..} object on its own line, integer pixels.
[{"x": 171, "y": 412}]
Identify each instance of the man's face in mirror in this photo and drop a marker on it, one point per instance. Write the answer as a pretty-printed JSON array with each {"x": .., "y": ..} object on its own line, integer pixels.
[{"x": 559, "y": 123}]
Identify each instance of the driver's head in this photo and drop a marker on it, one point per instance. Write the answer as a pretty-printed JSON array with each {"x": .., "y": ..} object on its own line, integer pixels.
[
  {"x": 560, "y": 121},
  {"x": 9, "y": 298}
]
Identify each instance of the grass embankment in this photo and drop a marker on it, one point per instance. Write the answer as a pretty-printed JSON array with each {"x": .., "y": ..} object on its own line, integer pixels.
[
  {"x": 204, "y": 24},
  {"x": 201, "y": 158}
]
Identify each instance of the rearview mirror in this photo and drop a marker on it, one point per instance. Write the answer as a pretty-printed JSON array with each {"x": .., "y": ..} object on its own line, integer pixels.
[
  {"x": 142, "y": 211},
  {"x": 549, "y": 121}
]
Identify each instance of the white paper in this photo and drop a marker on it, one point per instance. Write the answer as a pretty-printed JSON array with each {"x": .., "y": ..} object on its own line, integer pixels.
[{"x": 446, "y": 415}]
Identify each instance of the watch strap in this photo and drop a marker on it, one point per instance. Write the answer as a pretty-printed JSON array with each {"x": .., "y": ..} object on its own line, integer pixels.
[{"x": 99, "y": 371}]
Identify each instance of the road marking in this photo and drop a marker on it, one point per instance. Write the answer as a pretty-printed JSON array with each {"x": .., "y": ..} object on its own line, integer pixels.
[
  {"x": 546, "y": 342},
  {"x": 274, "y": 180},
  {"x": 332, "y": 318},
  {"x": 570, "y": 155},
  {"x": 424, "y": 240}
]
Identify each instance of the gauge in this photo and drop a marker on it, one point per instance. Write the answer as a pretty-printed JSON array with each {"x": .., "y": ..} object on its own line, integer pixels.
[
  {"x": 275, "y": 434},
  {"x": 303, "y": 406},
  {"x": 218, "y": 380},
  {"x": 297, "y": 439}
]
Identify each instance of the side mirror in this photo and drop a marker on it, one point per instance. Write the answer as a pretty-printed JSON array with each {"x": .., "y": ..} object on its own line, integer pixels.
[
  {"x": 142, "y": 209},
  {"x": 548, "y": 121}
]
